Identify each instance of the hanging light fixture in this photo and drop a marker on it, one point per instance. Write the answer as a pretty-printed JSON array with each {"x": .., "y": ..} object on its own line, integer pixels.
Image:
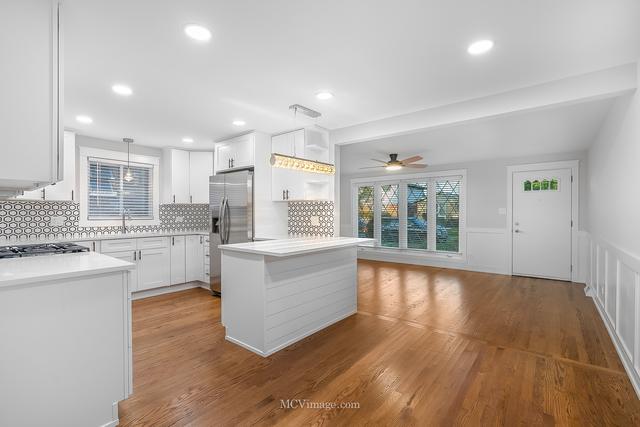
[
  {"x": 290, "y": 162},
  {"x": 297, "y": 163},
  {"x": 128, "y": 176}
]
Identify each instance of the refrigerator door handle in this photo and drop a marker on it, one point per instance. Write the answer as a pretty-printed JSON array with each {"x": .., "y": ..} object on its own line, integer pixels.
[
  {"x": 221, "y": 220},
  {"x": 227, "y": 221}
]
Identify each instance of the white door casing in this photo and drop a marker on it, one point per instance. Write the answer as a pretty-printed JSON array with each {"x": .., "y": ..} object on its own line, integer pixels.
[{"x": 542, "y": 214}]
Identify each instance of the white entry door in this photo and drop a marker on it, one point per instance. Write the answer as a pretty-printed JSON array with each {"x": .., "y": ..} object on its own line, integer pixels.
[{"x": 542, "y": 225}]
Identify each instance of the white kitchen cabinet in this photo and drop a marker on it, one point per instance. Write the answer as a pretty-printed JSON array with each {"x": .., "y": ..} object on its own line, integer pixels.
[
  {"x": 286, "y": 184},
  {"x": 154, "y": 268},
  {"x": 132, "y": 257},
  {"x": 178, "y": 260},
  {"x": 65, "y": 189},
  {"x": 194, "y": 258},
  {"x": 200, "y": 169},
  {"x": 289, "y": 144},
  {"x": 32, "y": 90},
  {"x": 186, "y": 176},
  {"x": 235, "y": 153},
  {"x": 307, "y": 143},
  {"x": 93, "y": 245},
  {"x": 150, "y": 254},
  {"x": 178, "y": 176}
]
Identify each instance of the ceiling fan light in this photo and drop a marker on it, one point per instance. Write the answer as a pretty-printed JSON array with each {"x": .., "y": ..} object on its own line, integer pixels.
[{"x": 394, "y": 167}]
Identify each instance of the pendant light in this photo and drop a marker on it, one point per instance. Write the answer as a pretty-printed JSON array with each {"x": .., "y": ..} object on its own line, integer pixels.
[{"x": 128, "y": 176}]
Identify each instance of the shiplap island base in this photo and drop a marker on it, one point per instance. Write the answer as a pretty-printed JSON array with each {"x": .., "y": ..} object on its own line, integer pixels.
[{"x": 277, "y": 292}]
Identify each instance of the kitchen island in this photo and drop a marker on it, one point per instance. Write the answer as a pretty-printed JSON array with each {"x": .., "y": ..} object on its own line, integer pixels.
[
  {"x": 277, "y": 292},
  {"x": 65, "y": 334}
]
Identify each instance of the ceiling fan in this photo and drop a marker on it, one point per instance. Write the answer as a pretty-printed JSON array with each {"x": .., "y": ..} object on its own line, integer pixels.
[{"x": 394, "y": 164}]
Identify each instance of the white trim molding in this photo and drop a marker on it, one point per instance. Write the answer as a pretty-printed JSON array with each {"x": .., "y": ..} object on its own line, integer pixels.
[
  {"x": 574, "y": 165},
  {"x": 613, "y": 281}
]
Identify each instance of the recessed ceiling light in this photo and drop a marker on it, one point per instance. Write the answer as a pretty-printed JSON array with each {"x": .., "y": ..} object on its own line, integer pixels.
[
  {"x": 324, "y": 94},
  {"x": 121, "y": 89},
  {"x": 197, "y": 32},
  {"x": 84, "y": 119},
  {"x": 239, "y": 123},
  {"x": 187, "y": 140},
  {"x": 479, "y": 47}
]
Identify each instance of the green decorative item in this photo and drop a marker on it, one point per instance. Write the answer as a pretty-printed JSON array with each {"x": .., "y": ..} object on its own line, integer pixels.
[
  {"x": 535, "y": 186},
  {"x": 554, "y": 184},
  {"x": 527, "y": 185},
  {"x": 545, "y": 184}
]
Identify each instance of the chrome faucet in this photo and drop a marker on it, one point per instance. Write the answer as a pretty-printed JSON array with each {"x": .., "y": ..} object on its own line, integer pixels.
[{"x": 126, "y": 213}]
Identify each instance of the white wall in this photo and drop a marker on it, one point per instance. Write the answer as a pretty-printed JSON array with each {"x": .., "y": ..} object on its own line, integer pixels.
[
  {"x": 613, "y": 277},
  {"x": 486, "y": 228}
]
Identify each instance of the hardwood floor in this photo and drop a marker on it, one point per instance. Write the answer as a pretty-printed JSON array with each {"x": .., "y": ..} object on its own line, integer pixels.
[{"x": 428, "y": 346}]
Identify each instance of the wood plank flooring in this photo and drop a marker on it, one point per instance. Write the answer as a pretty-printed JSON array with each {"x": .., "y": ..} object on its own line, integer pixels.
[{"x": 428, "y": 346}]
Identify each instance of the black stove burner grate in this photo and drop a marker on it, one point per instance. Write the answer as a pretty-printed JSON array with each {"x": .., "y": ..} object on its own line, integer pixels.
[{"x": 20, "y": 251}]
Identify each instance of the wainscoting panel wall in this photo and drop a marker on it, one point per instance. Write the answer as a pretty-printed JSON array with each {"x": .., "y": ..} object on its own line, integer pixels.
[
  {"x": 486, "y": 252},
  {"x": 614, "y": 284},
  {"x": 22, "y": 220}
]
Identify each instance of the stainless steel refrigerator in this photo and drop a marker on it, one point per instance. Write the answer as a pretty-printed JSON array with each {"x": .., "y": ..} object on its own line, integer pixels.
[{"x": 231, "y": 210}]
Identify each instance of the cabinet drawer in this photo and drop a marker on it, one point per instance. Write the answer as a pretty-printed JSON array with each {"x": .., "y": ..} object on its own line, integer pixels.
[
  {"x": 153, "y": 242},
  {"x": 119, "y": 245}
]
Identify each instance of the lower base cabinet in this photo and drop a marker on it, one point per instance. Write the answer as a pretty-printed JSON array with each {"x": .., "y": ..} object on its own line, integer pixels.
[{"x": 160, "y": 261}]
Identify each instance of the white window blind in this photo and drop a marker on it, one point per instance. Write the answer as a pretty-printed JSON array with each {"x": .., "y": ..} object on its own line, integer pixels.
[{"x": 109, "y": 195}]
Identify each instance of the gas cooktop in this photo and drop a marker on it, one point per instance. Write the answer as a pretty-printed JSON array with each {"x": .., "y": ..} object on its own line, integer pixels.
[{"x": 19, "y": 251}]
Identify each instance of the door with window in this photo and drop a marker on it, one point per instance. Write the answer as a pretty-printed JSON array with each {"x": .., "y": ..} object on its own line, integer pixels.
[{"x": 542, "y": 223}]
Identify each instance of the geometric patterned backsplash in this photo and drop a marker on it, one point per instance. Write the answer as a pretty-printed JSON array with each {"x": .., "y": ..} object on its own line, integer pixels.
[
  {"x": 29, "y": 219},
  {"x": 303, "y": 215}
]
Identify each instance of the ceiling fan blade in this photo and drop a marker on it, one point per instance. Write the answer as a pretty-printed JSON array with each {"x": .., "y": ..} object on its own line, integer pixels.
[
  {"x": 373, "y": 167},
  {"x": 411, "y": 159},
  {"x": 416, "y": 166},
  {"x": 380, "y": 161}
]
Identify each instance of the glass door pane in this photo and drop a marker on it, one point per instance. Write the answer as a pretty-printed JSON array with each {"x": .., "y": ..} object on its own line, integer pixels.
[
  {"x": 417, "y": 215},
  {"x": 389, "y": 220}
]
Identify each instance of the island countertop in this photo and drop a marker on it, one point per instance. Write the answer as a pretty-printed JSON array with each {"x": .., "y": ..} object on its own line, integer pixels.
[
  {"x": 19, "y": 271},
  {"x": 294, "y": 246}
]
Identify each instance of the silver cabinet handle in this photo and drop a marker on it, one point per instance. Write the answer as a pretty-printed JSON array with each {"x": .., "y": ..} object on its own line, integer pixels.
[
  {"x": 287, "y": 194},
  {"x": 93, "y": 244},
  {"x": 174, "y": 198},
  {"x": 72, "y": 195},
  {"x": 173, "y": 241},
  {"x": 134, "y": 256},
  {"x": 283, "y": 195},
  {"x": 517, "y": 231},
  {"x": 140, "y": 255},
  {"x": 200, "y": 239},
  {"x": 190, "y": 199}
]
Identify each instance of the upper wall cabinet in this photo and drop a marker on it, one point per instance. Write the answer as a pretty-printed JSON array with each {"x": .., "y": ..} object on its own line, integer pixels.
[
  {"x": 186, "y": 176},
  {"x": 65, "y": 189},
  {"x": 308, "y": 143},
  {"x": 31, "y": 101},
  {"x": 235, "y": 153}
]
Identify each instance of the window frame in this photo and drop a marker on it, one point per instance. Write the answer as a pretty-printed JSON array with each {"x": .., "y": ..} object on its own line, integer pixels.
[
  {"x": 116, "y": 157},
  {"x": 403, "y": 179}
]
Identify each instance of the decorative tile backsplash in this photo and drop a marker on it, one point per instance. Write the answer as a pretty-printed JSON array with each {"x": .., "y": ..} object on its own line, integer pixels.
[
  {"x": 311, "y": 219},
  {"x": 28, "y": 219}
]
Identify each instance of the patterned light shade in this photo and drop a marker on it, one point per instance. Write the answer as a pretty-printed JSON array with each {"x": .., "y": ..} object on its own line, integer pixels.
[{"x": 288, "y": 162}]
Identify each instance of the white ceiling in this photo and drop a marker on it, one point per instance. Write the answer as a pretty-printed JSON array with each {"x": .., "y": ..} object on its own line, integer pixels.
[
  {"x": 379, "y": 58},
  {"x": 546, "y": 131}
]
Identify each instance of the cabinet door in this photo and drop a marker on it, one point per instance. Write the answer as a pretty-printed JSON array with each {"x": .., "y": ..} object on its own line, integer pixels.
[
  {"x": 31, "y": 93},
  {"x": 242, "y": 151},
  {"x": 154, "y": 268},
  {"x": 279, "y": 181},
  {"x": 200, "y": 169},
  {"x": 282, "y": 144},
  {"x": 179, "y": 176},
  {"x": 178, "y": 266},
  {"x": 132, "y": 257},
  {"x": 298, "y": 143},
  {"x": 223, "y": 155},
  {"x": 65, "y": 189},
  {"x": 195, "y": 258},
  {"x": 92, "y": 245}
]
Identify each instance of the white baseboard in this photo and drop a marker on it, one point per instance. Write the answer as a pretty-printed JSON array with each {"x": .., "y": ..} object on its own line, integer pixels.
[{"x": 167, "y": 290}]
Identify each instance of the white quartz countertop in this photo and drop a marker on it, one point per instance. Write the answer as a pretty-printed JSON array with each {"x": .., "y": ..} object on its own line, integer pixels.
[
  {"x": 296, "y": 246},
  {"x": 141, "y": 235},
  {"x": 20, "y": 271}
]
